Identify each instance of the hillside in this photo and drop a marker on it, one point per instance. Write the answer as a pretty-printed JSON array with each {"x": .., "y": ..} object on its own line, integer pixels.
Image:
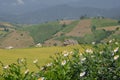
[
  {"x": 77, "y": 30},
  {"x": 12, "y": 37},
  {"x": 59, "y": 33}
]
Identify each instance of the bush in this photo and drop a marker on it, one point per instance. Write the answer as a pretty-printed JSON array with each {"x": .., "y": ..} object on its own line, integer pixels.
[
  {"x": 15, "y": 71},
  {"x": 93, "y": 28},
  {"x": 97, "y": 36},
  {"x": 119, "y": 22},
  {"x": 101, "y": 62}
]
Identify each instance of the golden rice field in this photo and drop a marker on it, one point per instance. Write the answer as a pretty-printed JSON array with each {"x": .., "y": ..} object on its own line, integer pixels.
[{"x": 42, "y": 54}]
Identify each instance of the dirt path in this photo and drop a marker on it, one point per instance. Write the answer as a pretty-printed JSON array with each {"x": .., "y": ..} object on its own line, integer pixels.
[{"x": 81, "y": 29}]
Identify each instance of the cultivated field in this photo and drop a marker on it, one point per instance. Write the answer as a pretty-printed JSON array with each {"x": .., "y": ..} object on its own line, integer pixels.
[{"x": 42, "y": 54}]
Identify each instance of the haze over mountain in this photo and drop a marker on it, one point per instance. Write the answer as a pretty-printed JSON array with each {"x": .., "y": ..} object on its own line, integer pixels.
[{"x": 36, "y": 11}]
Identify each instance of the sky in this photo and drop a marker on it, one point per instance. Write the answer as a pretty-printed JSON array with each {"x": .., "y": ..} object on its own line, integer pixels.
[
  {"x": 22, "y": 2},
  {"x": 44, "y": 3},
  {"x": 30, "y": 5}
]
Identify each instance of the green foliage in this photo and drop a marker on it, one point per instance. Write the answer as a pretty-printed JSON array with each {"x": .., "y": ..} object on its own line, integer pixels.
[
  {"x": 115, "y": 36},
  {"x": 101, "y": 34},
  {"x": 63, "y": 25},
  {"x": 119, "y": 22},
  {"x": 3, "y": 34},
  {"x": 93, "y": 28},
  {"x": 63, "y": 37},
  {"x": 84, "y": 17},
  {"x": 14, "y": 71},
  {"x": 69, "y": 27},
  {"x": 89, "y": 38},
  {"x": 6, "y": 29},
  {"x": 42, "y": 32},
  {"x": 101, "y": 62},
  {"x": 104, "y": 22},
  {"x": 97, "y": 36}
]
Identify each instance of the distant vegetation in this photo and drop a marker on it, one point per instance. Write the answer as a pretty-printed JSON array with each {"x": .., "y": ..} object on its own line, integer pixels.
[
  {"x": 91, "y": 30},
  {"x": 5, "y": 29},
  {"x": 69, "y": 27},
  {"x": 104, "y": 22},
  {"x": 44, "y": 31},
  {"x": 97, "y": 34}
]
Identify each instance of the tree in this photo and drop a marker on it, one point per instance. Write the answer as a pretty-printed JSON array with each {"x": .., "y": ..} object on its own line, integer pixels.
[
  {"x": 64, "y": 25},
  {"x": 6, "y": 29},
  {"x": 117, "y": 28},
  {"x": 119, "y": 22},
  {"x": 93, "y": 28},
  {"x": 83, "y": 16}
]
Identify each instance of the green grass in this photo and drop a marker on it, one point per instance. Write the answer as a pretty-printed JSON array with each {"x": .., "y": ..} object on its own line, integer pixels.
[
  {"x": 3, "y": 34},
  {"x": 42, "y": 54},
  {"x": 44, "y": 31},
  {"x": 115, "y": 35},
  {"x": 69, "y": 27},
  {"x": 104, "y": 22},
  {"x": 62, "y": 38}
]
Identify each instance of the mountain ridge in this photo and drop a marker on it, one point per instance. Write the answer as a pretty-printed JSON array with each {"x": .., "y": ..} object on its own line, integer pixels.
[{"x": 60, "y": 12}]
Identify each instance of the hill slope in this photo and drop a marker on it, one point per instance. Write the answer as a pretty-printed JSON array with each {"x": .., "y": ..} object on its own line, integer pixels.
[
  {"x": 10, "y": 36},
  {"x": 58, "y": 32}
]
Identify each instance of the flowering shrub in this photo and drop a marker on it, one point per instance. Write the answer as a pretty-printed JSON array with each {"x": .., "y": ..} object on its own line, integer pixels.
[
  {"x": 101, "y": 62},
  {"x": 15, "y": 71}
]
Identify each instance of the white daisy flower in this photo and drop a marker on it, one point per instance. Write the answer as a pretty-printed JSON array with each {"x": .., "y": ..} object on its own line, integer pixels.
[
  {"x": 80, "y": 54},
  {"x": 22, "y": 60},
  {"x": 116, "y": 43},
  {"x": 89, "y": 51},
  {"x": 63, "y": 62},
  {"x": 42, "y": 78},
  {"x": 26, "y": 71},
  {"x": 49, "y": 64},
  {"x": 82, "y": 74},
  {"x": 116, "y": 49},
  {"x": 93, "y": 43},
  {"x": 64, "y": 52},
  {"x": 35, "y": 61},
  {"x": 6, "y": 67},
  {"x": 65, "y": 55},
  {"x": 116, "y": 57},
  {"x": 83, "y": 59},
  {"x": 42, "y": 68},
  {"x": 110, "y": 41},
  {"x": 101, "y": 52}
]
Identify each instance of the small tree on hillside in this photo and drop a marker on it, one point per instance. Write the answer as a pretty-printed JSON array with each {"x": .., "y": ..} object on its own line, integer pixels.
[
  {"x": 93, "y": 28},
  {"x": 117, "y": 28},
  {"x": 119, "y": 22},
  {"x": 63, "y": 25},
  {"x": 6, "y": 29}
]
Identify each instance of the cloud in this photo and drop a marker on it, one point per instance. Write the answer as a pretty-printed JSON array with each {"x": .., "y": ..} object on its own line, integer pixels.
[{"x": 21, "y": 2}]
